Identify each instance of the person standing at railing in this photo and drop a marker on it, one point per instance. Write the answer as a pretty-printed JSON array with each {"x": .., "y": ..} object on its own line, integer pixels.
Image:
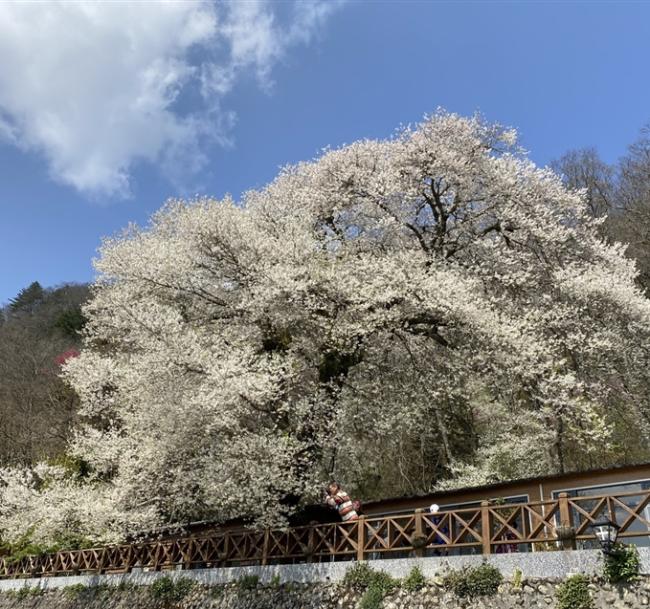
[
  {"x": 507, "y": 548},
  {"x": 339, "y": 500},
  {"x": 438, "y": 540}
]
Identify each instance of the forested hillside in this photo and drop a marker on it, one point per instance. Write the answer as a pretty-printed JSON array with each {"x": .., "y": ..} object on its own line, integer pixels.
[
  {"x": 427, "y": 311},
  {"x": 39, "y": 331},
  {"x": 619, "y": 193}
]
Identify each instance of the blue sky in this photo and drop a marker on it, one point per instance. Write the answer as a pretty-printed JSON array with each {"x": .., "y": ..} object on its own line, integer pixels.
[{"x": 86, "y": 148}]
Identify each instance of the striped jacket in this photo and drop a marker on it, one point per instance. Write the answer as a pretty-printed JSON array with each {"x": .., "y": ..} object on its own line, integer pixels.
[{"x": 342, "y": 503}]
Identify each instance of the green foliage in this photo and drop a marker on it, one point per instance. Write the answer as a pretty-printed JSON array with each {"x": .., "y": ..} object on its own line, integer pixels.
[
  {"x": 384, "y": 582},
  {"x": 70, "y": 322},
  {"x": 483, "y": 580},
  {"x": 21, "y": 548},
  {"x": 24, "y": 546},
  {"x": 28, "y": 298},
  {"x": 38, "y": 327},
  {"x": 70, "y": 541},
  {"x": 622, "y": 565},
  {"x": 517, "y": 578},
  {"x": 104, "y": 588},
  {"x": 358, "y": 576},
  {"x": 414, "y": 580},
  {"x": 275, "y": 581},
  {"x": 216, "y": 591},
  {"x": 171, "y": 590},
  {"x": 372, "y": 598},
  {"x": 248, "y": 582},
  {"x": 573, "y": 593},
  {"x": 26, "y": 592},
  {"x": 75, "y": 590},
  {"x": 376, "y": 584}
]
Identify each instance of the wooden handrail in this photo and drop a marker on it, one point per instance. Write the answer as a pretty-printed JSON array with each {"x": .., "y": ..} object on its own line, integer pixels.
[{"x": 486, "y": 528}]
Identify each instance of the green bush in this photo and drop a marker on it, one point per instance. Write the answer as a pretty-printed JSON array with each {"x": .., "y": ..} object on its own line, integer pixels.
[
  {"x": 27, "y": 591},
  {"x": 70, "y": 541},
  {"x": 75, "y": 590},
  {"x": 372, "y": 598},
  {"x": 376, "y": 584},
  {"x": 483, "y": 580},
  {"x": 248, "y": 582},
  {"x": 359, "y": 576},
  {"x": 414, "y": 580},
  {"x": 622, "y": 565},
  {"x": 184, "y": 586},
  {"x": 573, "y": 593},
  {"x": 216, "y": 591},
  {"x": 517, "y": 579},
  {"x": 169, "y": 590},
  {"x": 22, "y": 547},
  {"x": 275, "y": 581}
]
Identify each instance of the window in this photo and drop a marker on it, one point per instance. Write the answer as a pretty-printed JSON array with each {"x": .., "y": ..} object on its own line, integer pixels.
[
  {"x": 638, "y": 490},
  {"x": 476, "y": 504}
]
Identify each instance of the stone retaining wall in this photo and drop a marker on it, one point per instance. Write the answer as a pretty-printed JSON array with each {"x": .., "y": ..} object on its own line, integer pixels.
[
  {"x": 532, "y": 595},
  {"x": 318, "y": 586},
  {"x": 535, "y": 565}
]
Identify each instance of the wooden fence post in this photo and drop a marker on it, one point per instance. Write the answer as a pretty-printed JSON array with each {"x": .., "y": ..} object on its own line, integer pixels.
[
  {"x": 129, "y": 560},
  {"x": 311, "y": 544},
  {"x": 265, "y": 547},
  {"x": 566, "y": 520},
  {"x": 418, "y": 535},
  {"x": 486, "y": 527},
  {"x": 101, "y": 561},
  {"x": 226, "y": 550},
  {"x": 361, "y": 537},
  {"x": 188, "y": 554}
]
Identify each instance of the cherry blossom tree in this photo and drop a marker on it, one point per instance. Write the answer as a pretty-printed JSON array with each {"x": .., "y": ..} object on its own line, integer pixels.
[{"x": 432, "y": 309}]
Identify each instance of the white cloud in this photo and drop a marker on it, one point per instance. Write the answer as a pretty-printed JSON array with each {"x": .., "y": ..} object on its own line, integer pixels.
[{"x": 96, "y": 87}]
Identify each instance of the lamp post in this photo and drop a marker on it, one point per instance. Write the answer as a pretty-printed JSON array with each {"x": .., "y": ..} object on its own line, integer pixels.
[{"x": 606, "y": 532}]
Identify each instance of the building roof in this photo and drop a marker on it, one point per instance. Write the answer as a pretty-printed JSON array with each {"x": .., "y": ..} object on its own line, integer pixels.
[
  {"x": 487, "y": 489},
  {"x": 503, "y": 484}
]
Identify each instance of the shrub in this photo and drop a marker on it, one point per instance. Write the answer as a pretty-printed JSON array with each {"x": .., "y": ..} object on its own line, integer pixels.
[
  {"x": 372, "y": 598},
  {"x": 24, "y": 546},
  {"x": 248, "y": 582},
  {"x": 358, "y": 576},
  {"x": 622, "y": 565},
  {"x": 216, "y": 591},
  {"x": 414, "y": 580},
  {"x": 376, "y": 584},
  {"x": 162, "y": 588},
  {"x": 27, "y": 591},
  {"x": 275, "y": 581},
  {"x": 75, "y": 590},
  {"x": 384, "y": 582},
  {"x": 517, "y": 578},
  {"x": 183, "y": 587},
  {"x": 70, "y": 541},
  {"x": 573, "y": 593},
  {"x": 483, "y": 580},
  {"x": 171, "y": 591},
  {"x": 21, "y": 548}
]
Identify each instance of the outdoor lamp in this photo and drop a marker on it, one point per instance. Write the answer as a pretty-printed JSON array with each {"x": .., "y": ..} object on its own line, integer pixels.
[{"x": 606, "y": 532}]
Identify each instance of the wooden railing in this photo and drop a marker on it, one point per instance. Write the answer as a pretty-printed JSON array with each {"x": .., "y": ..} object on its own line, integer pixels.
[{"x": 555, "y": 524}]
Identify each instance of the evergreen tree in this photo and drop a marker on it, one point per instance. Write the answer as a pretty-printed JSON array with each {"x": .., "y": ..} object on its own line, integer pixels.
[{"x": 27, "y": 298}]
